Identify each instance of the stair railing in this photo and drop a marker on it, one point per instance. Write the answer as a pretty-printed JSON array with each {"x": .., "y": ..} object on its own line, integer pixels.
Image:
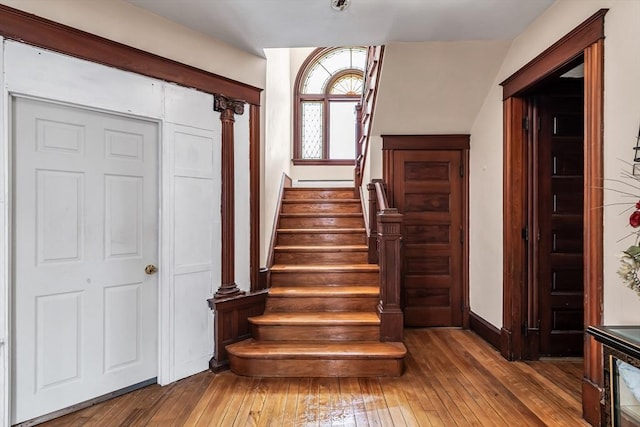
[
  {"x": 385, "y": 244},
  {"x": 365, "y": 110}
]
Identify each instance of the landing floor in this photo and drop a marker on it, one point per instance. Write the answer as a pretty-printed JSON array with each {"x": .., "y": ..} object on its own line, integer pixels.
[{"x": 452, "y": 378}]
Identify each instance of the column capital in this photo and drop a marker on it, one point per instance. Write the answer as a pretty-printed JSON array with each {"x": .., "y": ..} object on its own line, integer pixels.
[{"x": 222, "y": 103}]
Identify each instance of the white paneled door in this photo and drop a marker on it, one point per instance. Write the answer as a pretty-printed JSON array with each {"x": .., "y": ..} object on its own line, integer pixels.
[{"x": 85, "y": 221}]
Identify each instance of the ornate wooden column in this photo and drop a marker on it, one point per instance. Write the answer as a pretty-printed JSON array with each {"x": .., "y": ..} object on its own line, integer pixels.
[{"x": 228, "y": 108}]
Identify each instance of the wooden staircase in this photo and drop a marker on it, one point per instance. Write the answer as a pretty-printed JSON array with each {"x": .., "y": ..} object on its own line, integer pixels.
[{"x": 320, "y": 318}]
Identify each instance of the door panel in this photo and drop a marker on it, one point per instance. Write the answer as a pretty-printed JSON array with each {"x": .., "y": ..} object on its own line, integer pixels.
[
  {"x": 427, "y": 188},
  {"x": 85, "y": 225},
  {"x": 561, "y": 224}
]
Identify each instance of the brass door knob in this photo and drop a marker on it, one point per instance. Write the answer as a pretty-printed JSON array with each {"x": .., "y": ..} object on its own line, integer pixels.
[{"x": 150, "y": 269}]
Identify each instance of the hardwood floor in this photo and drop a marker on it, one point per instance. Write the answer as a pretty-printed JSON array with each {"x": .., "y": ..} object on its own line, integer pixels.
[{"x": 452, "y": 378}]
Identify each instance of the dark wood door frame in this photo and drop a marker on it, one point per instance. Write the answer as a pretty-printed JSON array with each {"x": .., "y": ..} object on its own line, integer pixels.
[
  {"x": 460, "y": 142},
  {"x": 587, "y": 39}
]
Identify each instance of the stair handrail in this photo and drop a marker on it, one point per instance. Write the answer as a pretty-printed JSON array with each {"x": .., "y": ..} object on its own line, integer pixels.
[
  {"x": 386, "y": 237},
  {"x": 365, "y": 110}
]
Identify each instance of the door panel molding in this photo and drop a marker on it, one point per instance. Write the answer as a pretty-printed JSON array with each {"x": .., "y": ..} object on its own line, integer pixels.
[
  {"x": 393, "y": 147},
  {"x": 587, "y": 40}
]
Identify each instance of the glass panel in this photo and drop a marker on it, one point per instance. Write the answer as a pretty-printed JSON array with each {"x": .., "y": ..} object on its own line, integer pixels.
[
  {"x": 350, "y": 84},
  {"x": 312, "y": 130},
  {"x": 328, "y": 65},
  {"x": 316, "y": 80},
  {"x": 626, "y": 399},
  {"x": 342, "y": 132}
]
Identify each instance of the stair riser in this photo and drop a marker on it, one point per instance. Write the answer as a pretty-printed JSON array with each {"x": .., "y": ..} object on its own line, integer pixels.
[
  {"x": 327, "y": 207},
  {"x": 316, "y": 367},
  {"x": 322, "y": 222},
  {"x": 316, "y": 333},
  {"x": 297, "y": 258},
  {"x": 324, "y": 239},
  {"x": 310, "y": 304},
  {"x": 307, "y": 193},
  {"x": 316, "y": 279}
]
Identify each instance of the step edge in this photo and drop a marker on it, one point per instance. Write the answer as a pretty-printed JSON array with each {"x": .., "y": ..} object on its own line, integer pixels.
[
  {"x": 315, "y": 291},
  {"x": 325, "y": 248}
]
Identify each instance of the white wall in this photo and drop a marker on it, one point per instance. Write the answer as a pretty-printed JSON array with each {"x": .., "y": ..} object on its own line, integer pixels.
[
  {"x": 277, "y": 144},
  {"x": 621, "y": 120},
  {"x": 125, "y": 23},
  {"x": 242, "y": 208}
]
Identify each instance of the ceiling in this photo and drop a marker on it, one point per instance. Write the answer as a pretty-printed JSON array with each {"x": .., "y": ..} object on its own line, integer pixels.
[{"x": 253, "y": 25}]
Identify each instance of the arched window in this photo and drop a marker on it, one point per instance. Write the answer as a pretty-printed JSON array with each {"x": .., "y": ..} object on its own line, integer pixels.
[{"x": 328, "y": 87}]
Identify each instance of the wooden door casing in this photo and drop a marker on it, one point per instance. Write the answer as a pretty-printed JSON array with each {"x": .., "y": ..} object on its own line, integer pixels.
[{"x": 428, "y": 188}]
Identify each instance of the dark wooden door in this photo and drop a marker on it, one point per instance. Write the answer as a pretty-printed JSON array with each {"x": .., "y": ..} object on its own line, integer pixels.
[
  {"x": 427, "y": 189},
  {"x": 560, "y": 217}
]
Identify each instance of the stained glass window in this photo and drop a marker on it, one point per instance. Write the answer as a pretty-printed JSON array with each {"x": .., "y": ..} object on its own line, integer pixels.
[
  {"x": 330, "y": 87},
  {"x": 312, "y": 130}
]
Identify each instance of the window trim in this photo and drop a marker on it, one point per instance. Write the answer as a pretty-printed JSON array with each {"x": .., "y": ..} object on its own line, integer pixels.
[{"x": 326, "y": 98}]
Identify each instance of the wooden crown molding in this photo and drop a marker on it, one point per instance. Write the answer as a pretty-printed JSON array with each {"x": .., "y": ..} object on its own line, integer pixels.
[
  {"x": 34, "y": 30},
  {"x": 561, "y": 52}
]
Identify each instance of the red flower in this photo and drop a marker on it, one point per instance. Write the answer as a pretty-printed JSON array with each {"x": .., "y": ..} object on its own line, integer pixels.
[
  {"x": 634, "y": 219},
  {"x": 638, "y": 204}
]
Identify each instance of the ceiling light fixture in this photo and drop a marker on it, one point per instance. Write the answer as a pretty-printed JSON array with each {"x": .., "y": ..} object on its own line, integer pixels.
[{"x": 340, "y": 5}]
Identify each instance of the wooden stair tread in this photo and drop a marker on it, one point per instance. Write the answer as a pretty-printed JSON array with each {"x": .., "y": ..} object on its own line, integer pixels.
[
  {"x": 320, "y": 349},
  {"x": 319, "y": 188},
  {"x": 325, "y": 268},
  {"x": 328, "y": 248},
  {"x": 321, "y": 214},
  {"x": 342, "y": 318},
  {"x": 321, "y": 230},
  {"x": 324, "y": 291},
  {"x": 321, "y": 200}
]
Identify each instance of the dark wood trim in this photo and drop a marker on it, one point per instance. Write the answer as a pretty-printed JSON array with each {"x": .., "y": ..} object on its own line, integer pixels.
[
  {"x": 466, "y": 309},
  {"x": 228, "y": 108},
  {"x": 28, "y": 28},
  {"x": 263, "y": 277},
  {"x": 514, "y": 266},
  {"x": 297, "y": 136},
  {"x": 254, "y": 196},
  {"x": 505, "y": 344},
  {"x": 231, "y": 323},
  {"x": 323, "y": 162},
  {"x": 389, "y": 226},
  {"x": 514, "y": 214},
  {"x": 593, "y": 218},
  {"x": 285, "y": 182},
  {"x": 425, "y": 142},
  {"x": 484, "y": 329},
  {"x": 372, "y": 222},
  {"x": 560, "y": 53}
]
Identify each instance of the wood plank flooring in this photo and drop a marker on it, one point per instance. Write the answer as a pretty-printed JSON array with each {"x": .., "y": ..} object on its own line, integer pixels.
[{"x": 452, "y": 378}]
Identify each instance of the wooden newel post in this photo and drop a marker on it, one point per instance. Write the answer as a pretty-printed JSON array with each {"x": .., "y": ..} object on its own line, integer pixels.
[
  {"x": 227, "y": 108},
  {"x": 389, "y": 244},
  {"x": 372, "y": 242}
]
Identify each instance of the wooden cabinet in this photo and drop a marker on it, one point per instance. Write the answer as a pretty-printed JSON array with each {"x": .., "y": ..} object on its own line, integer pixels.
[{"x": 620, "y": 404}]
